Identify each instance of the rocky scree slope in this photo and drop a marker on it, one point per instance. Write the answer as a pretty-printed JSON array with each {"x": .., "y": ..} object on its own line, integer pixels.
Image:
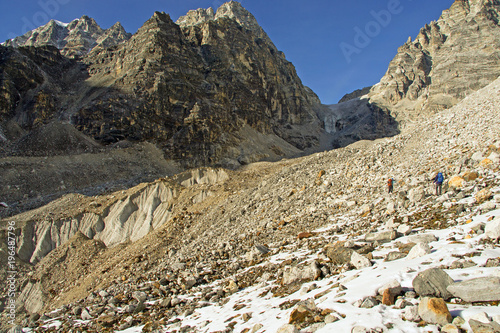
[
  {"x": 279, "y": 224},
  {"x": 449, "y": 59}
]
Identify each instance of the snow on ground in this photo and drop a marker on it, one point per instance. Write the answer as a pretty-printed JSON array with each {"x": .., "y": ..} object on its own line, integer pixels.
[{"x": 451, "y": 243}]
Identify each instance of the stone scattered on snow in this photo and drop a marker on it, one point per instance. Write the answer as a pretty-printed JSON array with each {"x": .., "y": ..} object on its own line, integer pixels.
[
  {"x": 480, "y": 327},
  {"x": 483, "y": 289},
  {"x": 359, "y": 261},
  {"x": 419, "y": 250},
  {"x": 434, "y": 311},
  {"x": 309, "y": 272},
  {"x": 492, "y": 229},
  {"x": 433, "y": 282},
  {"x": 381, "y": 237}
]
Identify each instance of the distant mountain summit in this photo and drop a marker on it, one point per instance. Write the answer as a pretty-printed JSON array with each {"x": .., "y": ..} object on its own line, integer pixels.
[{"x": 76, "y": 38}]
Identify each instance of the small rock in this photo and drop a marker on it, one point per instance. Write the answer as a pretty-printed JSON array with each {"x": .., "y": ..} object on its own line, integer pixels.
[
  {"x": 433, "y": 282},
  {"x": 368, "y": 303},
  {"x": 85, "y": 315},
  {"x": 483, "y": 195},
  {"x": 304, "y": 235},
  {"x": 140, "y": 296},
  {"x": 310, "y": 272},
  {"x": 330, "y": 318},
  {"x": 419, "y": 250},
  {"x": 471, "y": 176},
  {"x": 359, "y": 261},
  {"x": 393, "y": 286},
  {"x": 411, "y": 313},
  {"x": 458, "y": 321},
  {"x": 394, "y": 255},
  {"x": 434, "y": 311},
  {"x": 256, "y": 327},
  {"x": 484, "y": 289},
  {"x": 492, "y": 229},
  {"x": 450, "y": 328},
  {"x": 381, "y": 237},
  {"x": 416, "y": 194},
  {"x": 422, "y": 238},
  {"x": 338, "y": 253},
  {"x": 404, "y": 229},
  {"x": 456, "y": 182},
  {"x": 402, "y": 303},
  {"x": 262, "y": 249},
  {"x": 301, "y": 314}
]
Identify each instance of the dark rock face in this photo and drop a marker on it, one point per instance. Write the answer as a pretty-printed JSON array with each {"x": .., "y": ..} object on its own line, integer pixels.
[{"x": 189, "y": 87}]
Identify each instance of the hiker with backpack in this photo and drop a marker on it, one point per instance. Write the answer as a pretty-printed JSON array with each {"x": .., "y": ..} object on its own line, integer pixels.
[
  {"x": 438, "y": 180},
  {"x": 390, "y": 185}
]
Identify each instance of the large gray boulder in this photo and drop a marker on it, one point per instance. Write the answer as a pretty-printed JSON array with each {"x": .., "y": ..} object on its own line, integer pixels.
[
  {"x": 484, "y": 289},
  {"x": 433, "y": 282}
]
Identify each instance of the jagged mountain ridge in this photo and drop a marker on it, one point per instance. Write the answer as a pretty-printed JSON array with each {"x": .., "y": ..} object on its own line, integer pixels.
[
  {"x": 166, "y": 82},
  {"x": 449, "y": 59},
  {"x": 213, "y": 93},
  {"x": 74, "y": 39}
]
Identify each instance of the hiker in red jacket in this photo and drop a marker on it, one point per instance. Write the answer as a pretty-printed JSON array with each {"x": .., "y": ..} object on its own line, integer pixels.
[{"x": 390, "y": 185}]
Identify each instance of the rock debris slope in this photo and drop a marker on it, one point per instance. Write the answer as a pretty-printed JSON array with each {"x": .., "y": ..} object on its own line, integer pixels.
[{"x": 311, "y": 244}]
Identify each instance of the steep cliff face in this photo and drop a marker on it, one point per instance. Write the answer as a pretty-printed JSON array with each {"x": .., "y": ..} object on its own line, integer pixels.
[
  {"x": 191, "y": 88},
  {"x": 450, "y": 58}
]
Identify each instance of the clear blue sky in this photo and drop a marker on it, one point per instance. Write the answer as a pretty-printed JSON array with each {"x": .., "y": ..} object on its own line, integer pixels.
[{"x": 315, "y": 35}]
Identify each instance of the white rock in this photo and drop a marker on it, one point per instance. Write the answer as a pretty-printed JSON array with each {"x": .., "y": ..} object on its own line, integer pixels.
[
  {"x": 394, "y": 285},
  {"x": 478, "y": 157},
  {"x": 494, "y": 157},
  {"x": 85, "y": 315},
  {"x": 419, "y": 250},
  {"x": 492, "y": 229},
  {"x": 411, "y": 313},
  {"x": 359, "y": 261},
  {"x": 404, "y": 229}
]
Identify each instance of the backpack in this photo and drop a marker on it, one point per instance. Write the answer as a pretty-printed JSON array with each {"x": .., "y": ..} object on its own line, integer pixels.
[{"x": 439, "y": 178}]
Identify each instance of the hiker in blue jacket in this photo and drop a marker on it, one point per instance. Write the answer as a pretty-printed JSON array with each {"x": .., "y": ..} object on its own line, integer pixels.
[{"x": 438, "y": 180}]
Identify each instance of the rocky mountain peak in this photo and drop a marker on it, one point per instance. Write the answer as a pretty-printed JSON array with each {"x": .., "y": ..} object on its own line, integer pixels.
[
  {"x": 235, "y": 11},
  {"x": 76, "y": 38},
  {"x": 232, "y": 10},
  {"x": 194, "y": 17}
]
